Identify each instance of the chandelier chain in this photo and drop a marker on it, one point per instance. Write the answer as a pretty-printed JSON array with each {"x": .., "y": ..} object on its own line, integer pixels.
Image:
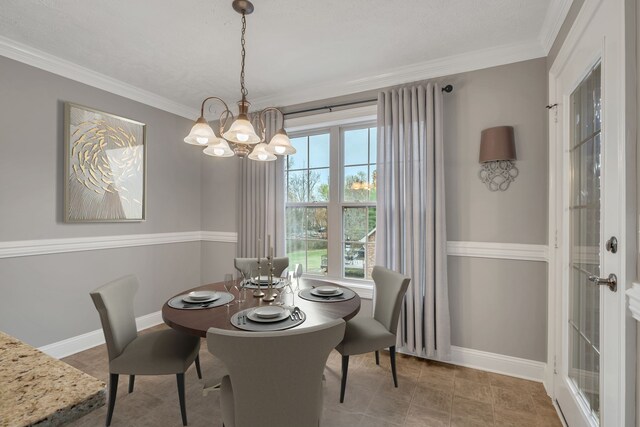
[{"x": 243, "y": 89}]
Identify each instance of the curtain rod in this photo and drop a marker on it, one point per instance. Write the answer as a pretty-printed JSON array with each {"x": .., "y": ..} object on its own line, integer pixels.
[{"x": 447, "y": 89}]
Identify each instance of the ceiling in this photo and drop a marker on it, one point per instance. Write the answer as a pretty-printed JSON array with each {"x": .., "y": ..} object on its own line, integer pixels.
[{"x": 171, "y": 53}]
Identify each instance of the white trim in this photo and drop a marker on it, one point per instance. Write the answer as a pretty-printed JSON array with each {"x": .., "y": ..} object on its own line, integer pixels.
[
  {"x": 516, "y": 251},
  {"x": 493, "y": 362},
  {"x": 333, "y": 118},
  {"x": 219, "y": 236},
  {"x": 464, "y": 62},
  {"x": 556, "y": 14},
  {"x": 45, "y": 61},
  {"x": 95, "y": 338},
  {"x": 20, "y": 248}
]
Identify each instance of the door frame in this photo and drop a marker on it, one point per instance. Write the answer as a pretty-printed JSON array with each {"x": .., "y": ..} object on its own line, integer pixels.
[{"x": 614, "y": 37}]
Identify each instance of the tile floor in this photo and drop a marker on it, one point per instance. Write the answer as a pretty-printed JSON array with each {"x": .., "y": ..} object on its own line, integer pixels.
[{"x": 429, "y": 394}]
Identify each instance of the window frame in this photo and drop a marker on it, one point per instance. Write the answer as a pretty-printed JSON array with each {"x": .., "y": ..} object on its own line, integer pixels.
[{"x": 334, "y": 123}]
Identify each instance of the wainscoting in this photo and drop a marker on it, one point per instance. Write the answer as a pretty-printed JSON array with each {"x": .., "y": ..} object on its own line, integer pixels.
[{"x": 488, "y": 361}]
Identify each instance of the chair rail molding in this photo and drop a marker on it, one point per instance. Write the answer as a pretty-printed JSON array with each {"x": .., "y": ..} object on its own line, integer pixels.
[
  {"x": 19, "y": 248},
  {"x": 514, "y": 251}
]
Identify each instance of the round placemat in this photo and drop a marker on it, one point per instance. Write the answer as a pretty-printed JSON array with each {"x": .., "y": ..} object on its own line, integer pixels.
[
  {"x": 241, "y": 321},
  {"x": 347, "y": 294},
  {"x": 176, "y": 302}
]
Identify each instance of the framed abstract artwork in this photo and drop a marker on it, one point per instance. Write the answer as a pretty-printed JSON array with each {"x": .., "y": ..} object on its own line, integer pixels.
[{"x": 105, "y": 162}]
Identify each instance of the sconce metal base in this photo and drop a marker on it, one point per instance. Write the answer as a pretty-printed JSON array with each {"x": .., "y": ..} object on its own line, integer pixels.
[{"x": 498, "y": 175}]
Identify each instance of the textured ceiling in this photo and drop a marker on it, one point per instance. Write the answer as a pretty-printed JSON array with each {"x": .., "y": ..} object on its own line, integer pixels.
[{"x": 185, "y": 49}]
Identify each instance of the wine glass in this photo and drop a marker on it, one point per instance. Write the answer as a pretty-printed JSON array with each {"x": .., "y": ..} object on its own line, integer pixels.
[
  {"x": 229, "y": 283},
  {"x": 240, "y": 286},
  {"x": 297, "y": 272}
]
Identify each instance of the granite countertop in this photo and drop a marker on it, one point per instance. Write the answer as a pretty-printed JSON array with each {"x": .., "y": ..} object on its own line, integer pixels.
[{"x": 36, "y": 389}]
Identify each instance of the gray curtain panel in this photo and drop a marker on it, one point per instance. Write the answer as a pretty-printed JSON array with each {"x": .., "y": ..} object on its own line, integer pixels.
[
  {"x": 411, "y": 228},
  {"x": 261, "y": 199}
]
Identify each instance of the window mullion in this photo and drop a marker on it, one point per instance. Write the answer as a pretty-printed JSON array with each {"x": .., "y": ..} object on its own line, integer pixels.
[{"x": 335, "y": 213}]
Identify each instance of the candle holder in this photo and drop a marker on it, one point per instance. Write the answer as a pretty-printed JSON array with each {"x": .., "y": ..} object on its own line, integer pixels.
[
  {"x": 270, "y": 294},
  {"x": 258, "y": 292}
]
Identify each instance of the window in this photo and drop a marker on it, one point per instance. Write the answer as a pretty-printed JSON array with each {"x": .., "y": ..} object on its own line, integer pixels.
[{"x": 331, "y": 201}]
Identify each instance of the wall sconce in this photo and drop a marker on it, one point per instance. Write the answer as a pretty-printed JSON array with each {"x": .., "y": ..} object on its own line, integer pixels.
[{"x": 497, "y": 153}]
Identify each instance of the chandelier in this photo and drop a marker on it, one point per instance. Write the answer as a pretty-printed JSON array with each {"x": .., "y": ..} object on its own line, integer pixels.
[{"x": 241, "y": 138}]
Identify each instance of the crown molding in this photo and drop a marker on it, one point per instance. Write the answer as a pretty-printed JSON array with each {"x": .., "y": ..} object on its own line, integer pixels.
[
  {"x": 45, "y": 61},
  {"x": 556, "y": 14},
  {"x": 440, "y": 67}
]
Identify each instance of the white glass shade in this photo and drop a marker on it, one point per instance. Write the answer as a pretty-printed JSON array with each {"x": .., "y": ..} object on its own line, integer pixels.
[
  {"x": 260, "y": 153},
  {"x": 241, "y": 131},
  {"x": 281, "y": 144},
  {"x": 201, "y": 134},
  {"x": 221, "y": 149}
]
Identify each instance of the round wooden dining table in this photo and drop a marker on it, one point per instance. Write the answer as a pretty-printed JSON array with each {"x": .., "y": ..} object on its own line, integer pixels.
[{"x": 198, "y": 321}]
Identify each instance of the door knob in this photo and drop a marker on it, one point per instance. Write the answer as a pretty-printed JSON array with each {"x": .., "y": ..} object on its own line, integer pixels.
[{"x": 611, "y": 281}]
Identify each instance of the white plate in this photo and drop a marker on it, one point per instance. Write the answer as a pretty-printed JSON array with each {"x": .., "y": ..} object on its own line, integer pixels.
[
  {"x": 200, "y": 301},
  {"x": 269, "y": 311},
  {"x": 264, "y": 281},
  {"x": 201, "y": 295},
  {"x": 251, "y": 315},
  {"x": 327, "y": 290},
  {"x": 323, "y": 294}
]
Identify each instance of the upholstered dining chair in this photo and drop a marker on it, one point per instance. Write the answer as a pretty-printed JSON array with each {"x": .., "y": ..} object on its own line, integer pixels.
[
  {"x": 249, "y": 266},
  {"x": 274, "y": 378},
  {"x": 162, "y": 352},
  {"x": 366, "y": 334}
]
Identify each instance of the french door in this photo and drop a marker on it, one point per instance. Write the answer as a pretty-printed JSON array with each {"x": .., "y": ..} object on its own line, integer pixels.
[{"x": 587, "y": 266}]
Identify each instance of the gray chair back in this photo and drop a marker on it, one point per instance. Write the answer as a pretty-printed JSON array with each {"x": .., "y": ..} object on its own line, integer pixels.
[
  {"x": 250, "y": 265},
  {"x": 275, "y": 377},
  {"x": 114, "y": 302},
  {"x": 390, "y": 289}
]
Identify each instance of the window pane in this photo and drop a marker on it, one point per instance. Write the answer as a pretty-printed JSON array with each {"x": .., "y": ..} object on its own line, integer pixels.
[
  {"x": 355, "y": 224},
  {"x": 317, "y": 223},
  {"x": 297, "y": 252},
  {"x": 319, "y": 185},
  {"x": 356, "y": 147},
  {"x": 372, "y": 225},
  {"x": 295, "y": 219},
  {"x": 354, "y": 255},
  {"x": 370, "y": 260},
  {"x": 319, "y": 151},
  {"x": 373, "y": 145},
  {"x": 297, "y": 186},
  {"x": 298, "y": 160},
  {"x": 373, "y": 183},
  {"x": 317, "y": 256},
  {"x": 356, "y": 184}
]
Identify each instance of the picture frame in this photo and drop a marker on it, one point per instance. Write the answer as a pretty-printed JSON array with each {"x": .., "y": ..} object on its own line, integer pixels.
[{"x": 105, "y": 158}]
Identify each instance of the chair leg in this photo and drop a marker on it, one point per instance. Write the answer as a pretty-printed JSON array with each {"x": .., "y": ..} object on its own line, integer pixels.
[
  {"x": 183, "y": 409},
  {"x": 113, "y": 389},
  {"x": 377, "y": 357},
  {"x": 392, "y": 354},
  {"x": 132, "y": 379},
  {"x": 343, "y": 384},
  {"x": 198, "y": 367}
]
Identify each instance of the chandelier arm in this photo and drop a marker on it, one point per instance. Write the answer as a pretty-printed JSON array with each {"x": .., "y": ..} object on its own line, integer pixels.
[
  {"x": 223, "y": 124},
  {"x": 262, "y": 123},
  {"x": 226, "y": 107}
]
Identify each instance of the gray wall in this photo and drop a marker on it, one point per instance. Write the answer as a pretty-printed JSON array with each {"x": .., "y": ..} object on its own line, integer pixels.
[
  {"x": 497, "y": 306},
  {"x": 188, "y": 191},
  {"x": 46, "y": 298}
]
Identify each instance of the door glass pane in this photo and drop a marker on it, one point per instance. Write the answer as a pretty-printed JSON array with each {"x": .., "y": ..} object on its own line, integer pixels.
[{"x": 584, "y": 217}]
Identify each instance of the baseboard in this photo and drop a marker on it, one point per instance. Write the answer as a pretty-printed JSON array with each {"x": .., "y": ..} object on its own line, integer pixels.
[
  {"x": 493, "y": 362},
  {"x": 95, "y": 338}
]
